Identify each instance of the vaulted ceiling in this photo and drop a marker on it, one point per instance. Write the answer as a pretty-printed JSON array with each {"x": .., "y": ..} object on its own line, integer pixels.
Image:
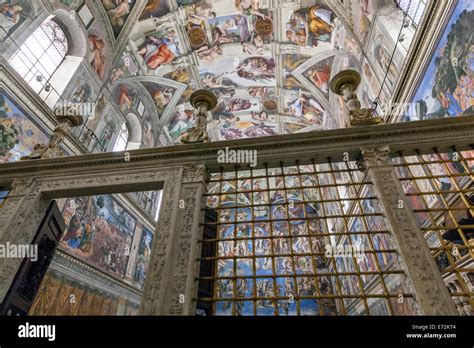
[{"x": 269, "y": 62}]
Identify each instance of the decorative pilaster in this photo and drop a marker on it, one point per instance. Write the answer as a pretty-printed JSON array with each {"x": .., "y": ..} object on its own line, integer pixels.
[
  {"x": 170, "y": 283},
  {"x": 20, "y": 218},
  {"x": 429, "y": 288}
]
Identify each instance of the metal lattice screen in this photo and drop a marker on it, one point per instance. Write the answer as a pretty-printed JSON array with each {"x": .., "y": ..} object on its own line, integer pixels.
[
  {"x": 439, "y": 188},
  {"x": 300, "y": 240}
]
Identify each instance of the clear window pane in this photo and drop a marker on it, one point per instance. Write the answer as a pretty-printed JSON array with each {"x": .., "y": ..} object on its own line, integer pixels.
[{"x": 40, "y": 55}]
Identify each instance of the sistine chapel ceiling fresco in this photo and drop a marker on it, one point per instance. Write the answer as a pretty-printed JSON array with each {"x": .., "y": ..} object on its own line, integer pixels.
[{"x": 269, "y": 62}]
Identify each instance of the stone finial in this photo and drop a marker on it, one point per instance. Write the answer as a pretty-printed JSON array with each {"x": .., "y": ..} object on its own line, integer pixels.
[
  {"x": 203, "y": 101},
  {"x": 66, "y": 121}
]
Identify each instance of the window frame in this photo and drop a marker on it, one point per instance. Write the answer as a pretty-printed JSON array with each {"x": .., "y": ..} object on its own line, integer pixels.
[{"x": 33, "y": 62}]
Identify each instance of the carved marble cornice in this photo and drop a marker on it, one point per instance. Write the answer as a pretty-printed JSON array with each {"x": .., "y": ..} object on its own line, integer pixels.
[{"x": 420, "y": 135}]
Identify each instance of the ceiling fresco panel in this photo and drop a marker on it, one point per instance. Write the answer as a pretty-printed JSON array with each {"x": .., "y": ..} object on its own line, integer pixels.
[
  {"x": 118, "y": 12},
  {"x": 269, "y": 63}
]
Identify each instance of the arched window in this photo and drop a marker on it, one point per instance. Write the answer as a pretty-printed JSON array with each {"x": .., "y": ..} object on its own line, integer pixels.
[
  {"x": 40, "y": 56},
  {"x": 413, "y": 9},
  {"x": 122, "y": 138}
]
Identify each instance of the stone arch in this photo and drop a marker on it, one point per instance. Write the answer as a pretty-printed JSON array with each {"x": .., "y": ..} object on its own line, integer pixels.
[
  {"x": 74, "y": 30},
  {"x": 135, "y": 132}
]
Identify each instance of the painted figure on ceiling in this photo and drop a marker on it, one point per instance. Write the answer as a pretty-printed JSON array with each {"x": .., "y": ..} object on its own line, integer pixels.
[
  {"x": 197, "y": 13},
  {"x": 159, "y": 51},
  {"x": 155, "y": 8},
  {"x": 260, "y": 92},
  {"x": 256, "y": 68},
  {"x": 259, "y": 116},
  {"x": 220, "y": 81},
  {"x": 365, "y": 7},
  {"x": 9, "y": 16},
  {"x": 231, "y": 133},
  {"x": 308, "y": 27},
  {"x": 180, "y": 74},
  {"x": 319, "y": 21},
  {"x": 251, "y": 49},
  {"x": 124, "y": 99},
  {"x": 151, "y": 5},
  {"x": 97, "y": 45},
  {"x": 161, "y": 97},
  {"x": 297, "y": 30},
  {"x": 242, "y": 25},
  {"x": 239, "y": 105},
  {"x": 220, "y": 33},
  {"x": 149, "y": 138},
  {"x": 259, "y": 129},
  {"x": 229, "y": 122},
  {"x": 320, "y": 75},
  {"x": 258, "y": 41},
  {"x": 117, "y": 74},
  {"x": 117, "y": 10},
  {"x": 306, "y": 106},
  {"x": 209, "y": 54},
  {"x": 249, "y": 7}
]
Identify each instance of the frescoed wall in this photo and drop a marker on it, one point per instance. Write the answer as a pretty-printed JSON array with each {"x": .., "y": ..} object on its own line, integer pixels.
[
  {"x": 447, "y": 89},
  {"x": 143, "y": 257},
  {"x": 18, "y": 134},
  {"x": 100, "y": 231},
  {"x": 363, "y": 17},
  {"x": 13, "y": 13}
]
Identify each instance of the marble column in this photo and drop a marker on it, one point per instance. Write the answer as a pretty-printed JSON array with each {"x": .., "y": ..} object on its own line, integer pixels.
[
  {"x": 20, "y": 219},
  {"x": 431, "y": 293},
  {"x": 170, "y": 284}
]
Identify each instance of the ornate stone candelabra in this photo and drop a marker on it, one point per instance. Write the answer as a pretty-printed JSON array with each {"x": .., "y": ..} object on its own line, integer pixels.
[
  {"x": 52, "y": 149},
  {"x": 203, "y": 101},
  {"x": 345, "y": 84}
]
